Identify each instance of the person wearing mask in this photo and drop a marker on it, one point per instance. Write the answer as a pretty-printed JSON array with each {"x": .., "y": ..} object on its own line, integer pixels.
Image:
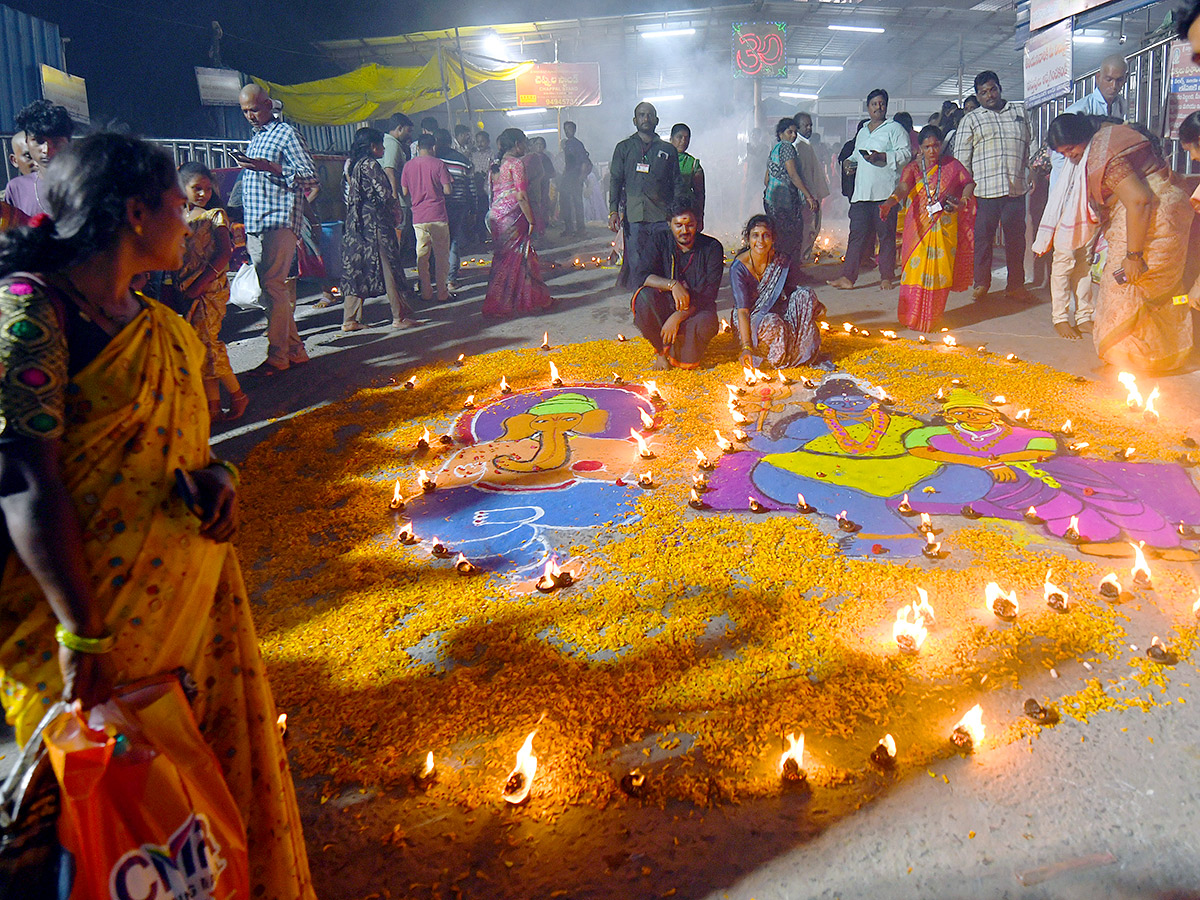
[
  {"x": 882, "y": 149},
  {"x": 675, "y": 306},
  {"x": 992, "y": 142},
  {"x": 370, "y": 250},
  {"x": 1145, "y": 218},
  {"x": 115, "y": 578},
  {"x": 47, "y": 129},
  {"x": 644, "y": 179},
  {"x": 459, "y": 203},
  {"x": 426, "y": 183},
  {"x": 690, "y": 169},
  {"x": 570, "y": 184},
  {"x": 812, "y": 173},
  {"x": 277, "y": 171},
  {"x": 515, "y": 284}
]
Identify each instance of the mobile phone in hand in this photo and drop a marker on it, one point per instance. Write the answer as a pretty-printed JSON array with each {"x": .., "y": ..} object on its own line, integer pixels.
[
  {"x": 1119, "y": 277},
  {"x": 189, "y": 493},
  {"x": 238, "y": 155}
]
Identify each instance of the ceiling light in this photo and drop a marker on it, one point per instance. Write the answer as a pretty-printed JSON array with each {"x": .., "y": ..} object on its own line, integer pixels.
[
  {"x": 669, "y": 32},
  {"x": 817, "y": 67},
  {"x": 864, "y": 28},
  {"x": 541, "y": 131},
  {"x": 494, "y": 47},
  {"x": 1088, "y": 39},
  {"x": 527, "y": 112},
  {"x": 794, "y": 96},
  {"x": 662, "y": 98}
]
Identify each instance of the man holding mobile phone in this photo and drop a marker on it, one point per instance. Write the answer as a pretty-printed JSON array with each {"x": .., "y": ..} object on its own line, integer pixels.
[
  {"x": 278, "y": 171},
  {"x": 882, "y": 148}
]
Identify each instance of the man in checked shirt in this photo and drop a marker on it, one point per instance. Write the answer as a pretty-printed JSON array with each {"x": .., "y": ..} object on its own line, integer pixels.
[
  {"x": 278, "y": 170},
  {"x": 993, "y": 143}
]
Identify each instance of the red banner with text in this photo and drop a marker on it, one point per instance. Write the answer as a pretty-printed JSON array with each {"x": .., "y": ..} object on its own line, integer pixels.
[{"x": 560, "y": 85}]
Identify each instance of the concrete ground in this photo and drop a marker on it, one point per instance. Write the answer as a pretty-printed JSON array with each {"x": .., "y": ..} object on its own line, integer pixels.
[{"x": 1088, "y": 810}]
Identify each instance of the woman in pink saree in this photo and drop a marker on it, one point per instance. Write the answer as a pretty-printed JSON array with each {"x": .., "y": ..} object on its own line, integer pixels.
[
  {"x": 515, "y": 285},
  {"x": 937, "y": 255},
  {"x": 1143, "y": 318}
]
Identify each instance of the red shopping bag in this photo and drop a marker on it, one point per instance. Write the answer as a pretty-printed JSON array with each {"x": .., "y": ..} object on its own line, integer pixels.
[{"x": 145, "y": 809}]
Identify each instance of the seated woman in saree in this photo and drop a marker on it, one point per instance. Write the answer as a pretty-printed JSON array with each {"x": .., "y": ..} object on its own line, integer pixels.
[
  {"x": 776, "y": 315},
  {"x": 1027, "y": 471},
  {"x": 675, "y": 309},
  {"x": 1143, "y": 316},
  {"x": 937, "y": 255},
  {"x": 115, "y": 576},
  {"x": 783, "y": 189},
  {"x": 515, "y": 284}
]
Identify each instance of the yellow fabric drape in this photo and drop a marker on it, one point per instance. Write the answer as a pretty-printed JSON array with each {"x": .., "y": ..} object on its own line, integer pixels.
[{"x": 376, "y": 92}]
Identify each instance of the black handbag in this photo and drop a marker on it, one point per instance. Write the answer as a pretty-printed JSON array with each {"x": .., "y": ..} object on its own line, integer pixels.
[{"x": 29, "y": 805}]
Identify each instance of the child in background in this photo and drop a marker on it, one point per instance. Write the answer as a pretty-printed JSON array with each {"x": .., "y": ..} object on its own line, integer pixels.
[{"x": 204, "y": 281}]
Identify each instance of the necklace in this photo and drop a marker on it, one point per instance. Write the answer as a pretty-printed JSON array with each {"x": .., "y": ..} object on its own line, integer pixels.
[
  {"x": 95, "y": 312},
  {"x": 980, "y": 440},
  {"x": 879, "y": 423}
]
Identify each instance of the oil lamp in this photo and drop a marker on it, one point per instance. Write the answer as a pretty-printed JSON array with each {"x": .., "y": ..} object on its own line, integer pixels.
[
  {"x": 1056, "y": 597},
  {"x": 969, "y": 732},
  {"x": 725, "y": 445},
  {"x": 427, "y": 482},
  {"x": 653, "y": 392},
  {"x": 643, "y": 450},
  {"x": 464, "y": 566},
  {"x": 1126, "y": 454},
  {"x": 621, "y": 338},
  {"x": 1133, "y": 399},
  {"x": 889, "y": 335},
  {"x": 617, "y": 379},
  {"x": 1140, "y": 571},
  {"x": 520, "y": 780},
  {"x": 546, "y": 341},
  {"x": 646, "y": 480},
  {"x": 724, "y": 327},
  {"x": 1012, "y": 357},
  {"x": 1022, "y": 415},
  {"x": 406, "y": 536},
  {"x": 734, "y": 391},
  {"x": 1186, "y": 459},
  {"x": 999, "y": 399},
  {"x": 757, "y": 507},
  {"x": 504, "y": 386},
  {"x": 1003, "y": 606},
  {"x": 884, "y": 754},
  {"x": 634, "y": 783},
  {"x": 1072, "y": 532},
  {"x": 921, "y": 339},
  {"x": 425, "y": 777},
  {"x": 1042, "y": 715},
  {"x": 1077, "y": 446},
  {"x": 982, "y": 348},
  {"x": 1161, "y": 654},
  {"x": 695, "y": 502},
  {"x": 823, "y": 325},
  {"x": 469, "y": 403},
  {"x": 397, "y": 504},
  {"x": 440, "y": 550},
  {"x": 555, "y": 380},
  {"x": 1150, "y": 413},
  {"x": 461, "y": 361},
  {"x": 848, "y": 327},
  {"x": 703, "y": 462},
  {"x": 554, "y": 577},
  {"x": 791, "y": 763},
  {"x": 447, "y": 439},
  {"x": 1032, "y": 517},
  {"x": 940, "y": 396},
  {"x": 803, "y": 507},
  {"x": 740, "y": 436},
  {"x": 647, "y": 420},
  {"x": 926, "y": 526},
  {"x": 783, "y": 379},
  {"x": 700, "y": 481},
  {"x": 909, "y": 631},
  {"x": 423, "y": 442},
  {"x": 410, "y": 384},
  {"x": 1110, "y": 587},
  {"x": 846, "y": 525},
  {"x": 281, "y": 724},
  {"x": 949, "y": 341},
  {"x": 748, "y": 376},
  {"x": 738, "y": 417},
  {"x": 1066, "y": 429},
  {"x": 933, "y": 548},
  {"x": 969, "y": 512},
  {"x": 905, "y": 508}
]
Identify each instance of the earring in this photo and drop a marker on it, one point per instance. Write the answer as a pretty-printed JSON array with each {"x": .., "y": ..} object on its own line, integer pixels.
[{"x": 137, "y": 229}]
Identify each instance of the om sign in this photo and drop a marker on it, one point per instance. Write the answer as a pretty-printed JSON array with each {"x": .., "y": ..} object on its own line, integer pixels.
[{"x": 759, "y": 49}]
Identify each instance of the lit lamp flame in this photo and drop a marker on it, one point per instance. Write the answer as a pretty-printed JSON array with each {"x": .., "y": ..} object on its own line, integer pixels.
[
  {"x": 1056, "y": 597},
  {"x": 1140, "y": 571},
  {"x": 726, "y": 446},
  {"x": 703, "y": 461},
  {"x": 281, "y": 724},
  {"x": 803, "y": 506},
  {"x": 823, "y": 325},
  {"x": 1012, "y": 357},
  {"x": 652, "y": 390},
  {"x": 1022, "y": 415},
  {"x": 1110, "y": 587},
  {"x": 845, "y": 524},
  {"x": 738, "y": 417},
  {"x": 725, "y": 326},
  {"x": 905, "y": 508},
  {"x": 1032, "y": 517},
  {"x": 848, "y": 327},
  {"x": 647, "y": 419},
  {"x": 397, "y": 499},
  {"x": 748, "y": 376},
  {"x": 643, "y": 450},
  {"x": 1003, "y": 606},
  {"x": 462, "y": 358},
  {"x": 504, "y": 386},
  {"x": 909, "y": 631},
  {"x": 926, "y": 526},
  {"x": 555, "y": 381},
  {"x": 546, "y": 341},
  {"x": 968, "y": 733},
  {"x": 695, "y": 502},
  {"x": 791, "y": 763},
  {"x": 406, "y": 535},
  {"x": 646, "y": 479},
  {"x": 1067, "y": 428},
  {"x": 1196, "y": 607},
  {"x": 1072, "y": 532},
  {"x": 464, "y": 566},
  {"x": 890, "y": 335},
  {"x": 470, "y": 402},
  {"x": 933, "y": 547},
  {"x": 884, "y": 754},
  {"x": 410, "y": 384},
  {"x": 426, "y": 482},
  {"x": 1159, "y": 652},
  {"x": 734, "y": 392},
  {"x": 520, "y": 780},
  {"x": 427, "y": 769},
  {"x": 783, "y": 379},
  {"x": 1150, "y": 412},
  {"x": 423, "y": 440},
  {"x": 949, "y": 341},
  {"x": 1134, "y": 399},
  {"x": 554, "y": 577},
  {"x": 999, "y": 399}
]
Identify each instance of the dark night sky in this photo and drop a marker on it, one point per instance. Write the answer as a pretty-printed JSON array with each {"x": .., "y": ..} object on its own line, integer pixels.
[{"x": 138, "y": 56}]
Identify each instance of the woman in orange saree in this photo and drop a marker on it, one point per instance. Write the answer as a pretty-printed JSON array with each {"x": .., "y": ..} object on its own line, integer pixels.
[
  {"x": 1143, "y": 319},
  {"x": 115, "y": 577},
  {"x": 937, "y": 254}
]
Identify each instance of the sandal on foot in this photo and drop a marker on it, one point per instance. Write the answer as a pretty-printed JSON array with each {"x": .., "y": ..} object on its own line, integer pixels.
[{"x": 237, "y": 406}]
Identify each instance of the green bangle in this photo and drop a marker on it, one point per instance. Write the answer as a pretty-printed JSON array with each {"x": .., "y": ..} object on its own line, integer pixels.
[
  {"x": 72, "y": 641},
  {"x": 228, "y": 467}
]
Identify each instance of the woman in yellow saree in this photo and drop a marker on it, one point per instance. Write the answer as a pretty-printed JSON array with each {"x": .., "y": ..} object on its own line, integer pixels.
[
  {"x": 937, "y": 255},
  {"x": 115, "y": 577},
  {"x": 1143, "y": 320}
]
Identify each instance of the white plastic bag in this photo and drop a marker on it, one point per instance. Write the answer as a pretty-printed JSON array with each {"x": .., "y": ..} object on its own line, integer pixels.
[{"x": 244, "y": 289}]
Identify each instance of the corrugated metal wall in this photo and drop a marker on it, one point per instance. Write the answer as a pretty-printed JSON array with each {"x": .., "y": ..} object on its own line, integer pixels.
[{"x": 27, "y": 43}]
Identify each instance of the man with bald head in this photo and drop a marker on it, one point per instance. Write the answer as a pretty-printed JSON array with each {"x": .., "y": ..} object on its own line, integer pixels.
[
  {"x": 1107, "y": 99},
  {"x": 278, "y": 170},
  {"x": 21, "y": 157},
  {"x": 644, "y": 179}
]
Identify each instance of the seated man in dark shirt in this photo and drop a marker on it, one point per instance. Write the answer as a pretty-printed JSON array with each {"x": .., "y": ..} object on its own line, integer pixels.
[{"x": 676, "y": 306}]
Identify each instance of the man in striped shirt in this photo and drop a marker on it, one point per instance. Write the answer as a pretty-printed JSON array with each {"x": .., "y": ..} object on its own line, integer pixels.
[
  {"x": 459, "y": 203},
  {"x": 993, "y": 143}
]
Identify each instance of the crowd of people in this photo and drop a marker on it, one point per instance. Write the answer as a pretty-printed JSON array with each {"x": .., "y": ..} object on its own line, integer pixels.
[{"x": 106, "y": 397}]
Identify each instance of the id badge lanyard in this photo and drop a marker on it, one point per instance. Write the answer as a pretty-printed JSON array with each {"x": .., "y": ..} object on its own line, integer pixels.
[
  {"x": 932, "y": 204},
  {"x": 643, "y": 167}
]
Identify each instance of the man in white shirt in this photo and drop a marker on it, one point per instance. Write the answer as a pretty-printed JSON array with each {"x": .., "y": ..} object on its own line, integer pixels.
[
  {"x": 812, "y": 173},
  {"x": 1108, "y": 99},
  {"x": 881, "y": 150}
]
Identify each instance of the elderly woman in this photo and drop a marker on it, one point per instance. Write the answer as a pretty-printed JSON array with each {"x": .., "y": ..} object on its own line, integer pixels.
[
  {"x": 937, "y": 255},
  {"x": 783, "y": 188},
  {"x": 776, "y": 316},
  {"x": 1145, "y": 218},
  {"x": 116, "y": 575}
]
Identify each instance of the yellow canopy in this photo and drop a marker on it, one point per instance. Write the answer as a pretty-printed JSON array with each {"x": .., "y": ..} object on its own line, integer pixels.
[{"x": 376, "y": 92}]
